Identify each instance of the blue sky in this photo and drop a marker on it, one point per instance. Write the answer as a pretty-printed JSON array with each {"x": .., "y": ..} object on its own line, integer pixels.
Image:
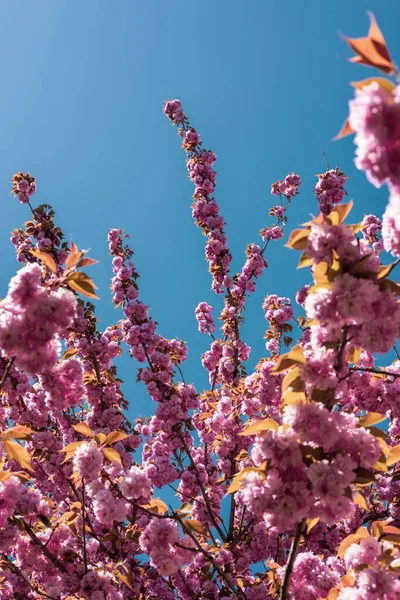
[{"x": 265, "y": 83}]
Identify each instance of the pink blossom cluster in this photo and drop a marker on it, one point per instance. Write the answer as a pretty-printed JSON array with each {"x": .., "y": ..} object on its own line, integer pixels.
[
  {"x": 243, "y": 281},
  {"x": 391, "y": 226},
  {"x": 360, "y": 305},
  {"x": 375, "y": 117},
  {"x": 167, "y": 551},
  {"x": 205, "y": 209},
  {"x": 287, "y": 187},
  {"x": 329, "y": 189},
  {"x": 278, "y": 311},
  {"x": 24, "y": 186},
  {"x": 371, "y": 228},
  {"x": 205, "y": 318},
  {"x": 31, "y": 318}
]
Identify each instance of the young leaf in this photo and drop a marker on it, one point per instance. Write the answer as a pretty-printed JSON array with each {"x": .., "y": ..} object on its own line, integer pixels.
[
  {"x": 84, "y": 429},
  {"x": 294, "y": 357},
  {"x": 261, "y": 425},
  {"x": 18, "y": 432},
  {"x": 393, "y": 456},
  {"x": 353, "y": 538},
  {"x": 196, "y": 526},
  {"x": 18, "y": 453},
  {"x": 298, "y": 239},
  {"x": 371, "y": 418},
  {"x": 81, "y": 283},
  {"x": 115, "y": 436},
  {"x": 384, "y": 83},
  {"x": 69, "y": 352},
  {"x": 45, "y": 258},
  {"x": 112, "y": 455},
  {"x": 345, "y": 130},
  {"x": 372, "y": 50},
  {"x": 156, "y": 506}
]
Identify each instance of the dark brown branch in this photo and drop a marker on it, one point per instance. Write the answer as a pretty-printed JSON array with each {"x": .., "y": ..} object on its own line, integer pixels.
[{"x": 290, "y": 562}]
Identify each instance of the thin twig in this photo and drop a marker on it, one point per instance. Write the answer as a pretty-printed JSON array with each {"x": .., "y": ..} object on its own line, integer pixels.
[
  {"x": 6, "y": 372},
  {"x": 290, "y": 562}
]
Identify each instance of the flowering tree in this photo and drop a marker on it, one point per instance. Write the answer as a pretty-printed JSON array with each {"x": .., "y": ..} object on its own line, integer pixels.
[{"x": 286, "y": 486}]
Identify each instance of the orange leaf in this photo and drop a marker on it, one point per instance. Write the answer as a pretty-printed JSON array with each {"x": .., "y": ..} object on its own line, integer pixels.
[
  {"x": 290, "y": 359},
  {"x": 86, "y": 262},
  {"x": 73, "y": 258},
  {"x": 45, "y": 258},
  {"x": 261, "y": 425},
  {"x": 18, "y": 453},
  {"x": 372, "y": 50},
  {"x": 196, "y": 526},
  {"x": 69, "y": 352},
  {"x": 112, "y": 455},
  {"x": 84, "y": 429},
  {"x": 19, "y": 432},
  {"x": 345, "y": 130},
  {"x": 384, "y": 83},
  {"x": 156, "y": 506},
  {"x": 353, "y": 538},
  {"x": 115, "y": 436},
  {"x": 81, "y": 283},
  {"x": 298, "y": 239}
]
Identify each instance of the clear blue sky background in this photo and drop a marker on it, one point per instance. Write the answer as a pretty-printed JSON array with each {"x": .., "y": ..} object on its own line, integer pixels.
[{"x": 266, "y": 84}]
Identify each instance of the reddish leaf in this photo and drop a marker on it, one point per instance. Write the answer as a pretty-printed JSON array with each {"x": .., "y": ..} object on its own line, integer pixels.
[{"x": 372, "y": 50}]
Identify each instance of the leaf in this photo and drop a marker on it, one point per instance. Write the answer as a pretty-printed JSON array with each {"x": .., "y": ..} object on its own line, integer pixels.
[
  {"x": 364, "y": 476},
  {"x": 19, "y": 432},
  {"x": 115, "y": 436},
  {"x": 320, "y": 273},
  {"x": 360, "y": 501},
  {"x": 196, "y": 526},
  {"x": 184, "y": 510},
  {"x": 156, "y": 506},
  {"x": 72, "y": 446},
  {"x": 86, "y": 262},
  {"x": 305, "y": 261},
  {"x": 391, "y": 529},
  {"x": 125, "y": 579},
  {"x": 237, "y": 480},
  {"x": 345, "y": 130},
  {"x": 372, "y": 50},
  {"x": 81, "y": 283},
  {"x": 311, "y": 523},
  {"x": 284, "y": 362},
  {"x": 342, "y": 210},
  {"x": 393, "y": 456},
  {"x": 100, "y": 437},
  {"x": 69, "y": 352},
  {"x": 18, "y": 453},
  {"x": 72, "y": 259},
  {"x": 261, "y": 425},
  {"x": 293, "y": 381},
  {"x": 84, "y": 429},
  {"x": 370, "y": 419},
  {"x": 291, "y": 397},
  {"x": 112, "y": 455},
  {"x": 386, "y": 270},
  {"x": 298, "y": 239},
  {"x": 353, "y": 538},
  {"x": 45, "y": 258},
  {"x": 384, "y": 83}
]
